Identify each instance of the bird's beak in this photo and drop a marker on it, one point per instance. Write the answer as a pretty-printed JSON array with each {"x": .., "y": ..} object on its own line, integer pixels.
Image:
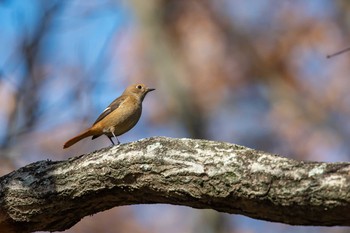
[{"x": 150, "y": 89}]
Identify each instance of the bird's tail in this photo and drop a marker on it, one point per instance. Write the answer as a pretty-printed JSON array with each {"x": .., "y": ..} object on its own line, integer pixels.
[{"x": 77, "y": 138}]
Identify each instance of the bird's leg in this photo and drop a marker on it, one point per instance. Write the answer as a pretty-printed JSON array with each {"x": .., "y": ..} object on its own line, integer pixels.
[
  {"x": 110, "y": 138},
  {"x": 116, "y": 138}
]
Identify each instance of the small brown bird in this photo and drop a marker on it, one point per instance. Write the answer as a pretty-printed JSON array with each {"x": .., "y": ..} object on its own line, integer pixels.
[{"x": 119, "y": 117}]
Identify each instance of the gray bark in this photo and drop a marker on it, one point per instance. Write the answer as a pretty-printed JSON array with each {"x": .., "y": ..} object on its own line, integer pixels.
[{"x": 53, "y": 196}]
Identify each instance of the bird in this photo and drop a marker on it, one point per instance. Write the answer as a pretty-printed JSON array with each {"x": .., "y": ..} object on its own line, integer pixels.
[{"x": 119, "y": 117}]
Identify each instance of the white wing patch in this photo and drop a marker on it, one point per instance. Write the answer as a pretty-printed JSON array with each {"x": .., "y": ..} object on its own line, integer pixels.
[{"x": 107, "y": 109}]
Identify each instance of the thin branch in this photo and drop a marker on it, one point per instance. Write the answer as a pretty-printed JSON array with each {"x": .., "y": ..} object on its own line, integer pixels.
[{"x": 338, "y": 53}]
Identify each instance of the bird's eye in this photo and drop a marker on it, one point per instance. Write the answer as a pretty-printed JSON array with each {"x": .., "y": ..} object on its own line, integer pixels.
[{"x": 138, "y": 86}]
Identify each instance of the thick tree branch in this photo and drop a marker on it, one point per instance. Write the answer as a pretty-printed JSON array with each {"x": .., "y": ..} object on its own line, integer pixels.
[{"x": 54, "y": 196}]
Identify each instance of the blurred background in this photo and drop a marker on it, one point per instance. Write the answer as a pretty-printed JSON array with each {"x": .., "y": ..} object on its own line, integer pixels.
[{"x": 254, "y": 73}]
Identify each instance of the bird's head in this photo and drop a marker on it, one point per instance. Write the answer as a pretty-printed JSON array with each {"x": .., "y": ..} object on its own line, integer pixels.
[{"x": 138, "y": 90}]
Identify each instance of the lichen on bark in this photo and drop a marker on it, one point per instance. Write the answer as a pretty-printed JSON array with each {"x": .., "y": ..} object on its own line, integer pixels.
[{"x": 225, "y": 177}]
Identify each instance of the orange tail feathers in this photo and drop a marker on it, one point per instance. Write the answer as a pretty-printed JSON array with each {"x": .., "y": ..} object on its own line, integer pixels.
[{"x": 77, "y": 138}]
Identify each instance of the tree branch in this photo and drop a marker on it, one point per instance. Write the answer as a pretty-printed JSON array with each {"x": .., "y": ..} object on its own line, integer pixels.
[{"x": 53, "y": 196}]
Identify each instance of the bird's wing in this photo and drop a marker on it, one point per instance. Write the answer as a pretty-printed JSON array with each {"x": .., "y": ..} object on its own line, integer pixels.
[{"x": 113, "y": 106}]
